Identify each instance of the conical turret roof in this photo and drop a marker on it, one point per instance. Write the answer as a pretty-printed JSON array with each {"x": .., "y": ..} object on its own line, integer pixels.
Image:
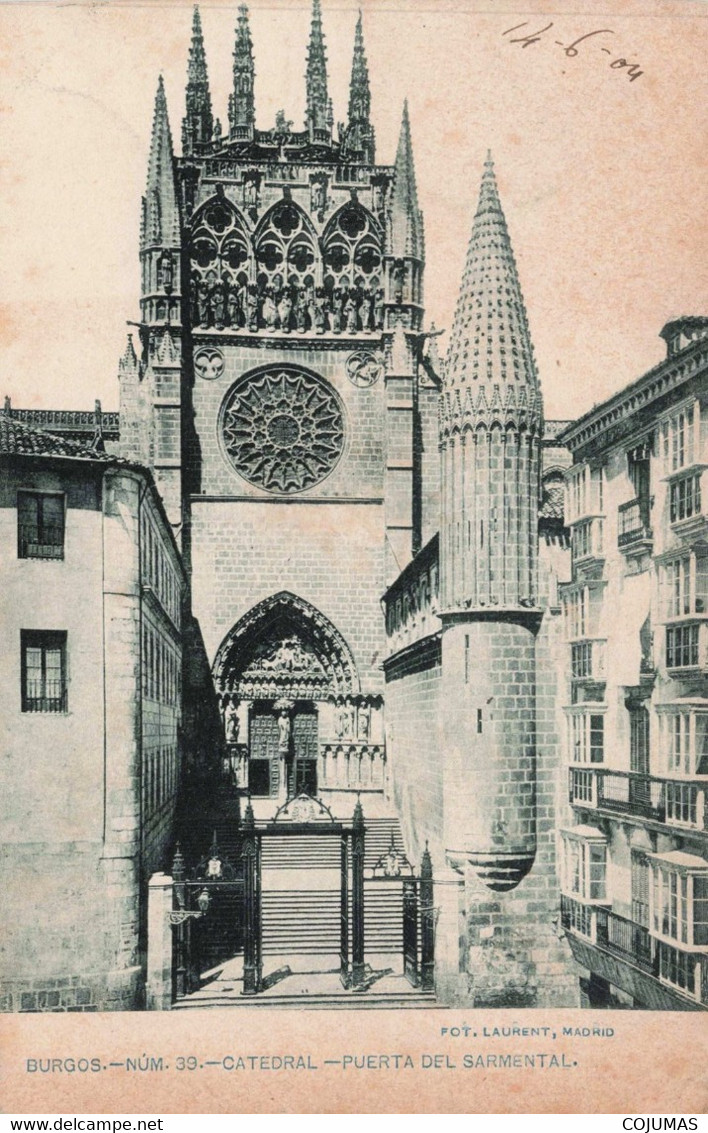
[
  {"x": 406, "y": 217},
  {"x": 490, "y": 342},
  {"x": 161, "y": 217}
]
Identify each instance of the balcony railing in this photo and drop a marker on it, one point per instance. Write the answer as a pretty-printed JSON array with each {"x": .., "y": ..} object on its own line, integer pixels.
[
  {"x": 674, "y": 802},
  {"x": 578, "y": 917},
  {"x": 633, "y": 528},
  {"x": 626, "y": 939}
]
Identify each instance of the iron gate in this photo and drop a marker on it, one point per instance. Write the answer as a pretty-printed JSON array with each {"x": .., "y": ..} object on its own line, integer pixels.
[{"x": 208, "y": 913}]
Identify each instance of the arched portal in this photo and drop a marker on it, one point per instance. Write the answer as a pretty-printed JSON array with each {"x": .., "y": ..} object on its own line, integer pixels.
[{"x": 280, "y": 674}]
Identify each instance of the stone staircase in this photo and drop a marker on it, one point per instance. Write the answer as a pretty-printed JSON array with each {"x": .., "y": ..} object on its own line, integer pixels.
[{"x": 309, "y": 991}]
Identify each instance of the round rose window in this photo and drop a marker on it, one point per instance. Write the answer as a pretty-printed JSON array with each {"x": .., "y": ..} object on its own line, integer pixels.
[{"x": 283, "y": 429}]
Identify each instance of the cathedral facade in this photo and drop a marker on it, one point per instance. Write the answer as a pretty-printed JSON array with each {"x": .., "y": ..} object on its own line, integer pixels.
[
  {"x": 368, "y": 543},
  {"x": 359, "y": 521}
]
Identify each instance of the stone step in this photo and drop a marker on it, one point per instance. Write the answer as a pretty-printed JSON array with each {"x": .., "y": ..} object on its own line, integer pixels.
[{"x": 348, "y": 1000}]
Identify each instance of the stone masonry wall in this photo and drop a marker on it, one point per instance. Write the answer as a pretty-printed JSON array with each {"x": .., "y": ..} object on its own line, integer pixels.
[{"x": 413, "y": 745}]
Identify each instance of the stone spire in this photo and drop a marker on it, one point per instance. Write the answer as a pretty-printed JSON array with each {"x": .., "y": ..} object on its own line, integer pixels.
[
  {"x": 490, "y": 344},
  {"x": 490, "y": 453},
  {"x": 242, "y": 113},
  {"x": 360, "y": 134},
  {"x": 198, "y": 124},
  {"x": 406, "y": 217},
  {"x": 161, "y": 224},
  {"x": 316, "y": 76}
]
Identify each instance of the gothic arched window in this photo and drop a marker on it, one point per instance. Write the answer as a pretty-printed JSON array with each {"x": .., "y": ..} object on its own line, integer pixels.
[
  {"x": 285, "y": 249},
  {"x": 352, "y": 249},
  {"x": 352, "y": 266},
  {"x": 220, "y": 258}
]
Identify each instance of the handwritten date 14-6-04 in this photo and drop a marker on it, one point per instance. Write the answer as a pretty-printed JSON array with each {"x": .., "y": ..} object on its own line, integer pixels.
[{"x": 572, "y": 50}]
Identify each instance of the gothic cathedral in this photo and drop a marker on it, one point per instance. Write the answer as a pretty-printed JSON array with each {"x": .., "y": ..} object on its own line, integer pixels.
[{"x": 369, "y": 595}]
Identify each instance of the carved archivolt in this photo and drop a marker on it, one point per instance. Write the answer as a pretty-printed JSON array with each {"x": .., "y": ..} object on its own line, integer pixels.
[{"x": 284, "y": 647}]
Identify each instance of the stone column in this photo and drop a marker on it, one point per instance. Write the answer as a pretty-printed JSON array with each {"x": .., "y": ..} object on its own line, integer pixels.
[{"x": 159, "y": 958}]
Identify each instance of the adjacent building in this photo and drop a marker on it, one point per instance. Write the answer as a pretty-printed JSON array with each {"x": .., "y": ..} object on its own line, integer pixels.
[
  {"x": 92, "y": 589},
  {"x": 635, "y": 859}
]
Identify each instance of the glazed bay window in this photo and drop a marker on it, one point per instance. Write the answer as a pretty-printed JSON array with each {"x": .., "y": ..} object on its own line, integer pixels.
[
  {"x": 587, "y": 735},
  {"x": 44, "y": 686},
  {"x": 683, "y": 647},
  {"x": 40, "y": 525},
  {"x": 684, "y": 582},
  {"x": 685, "y": 497},
  {"x": 678, "y": 439},
  {"x": 582, "y": 605},
  {"x": 586, "y": 539},
  {"x": 679, "y": 900},
  {"x": 683, "y": 740},
  {"x": 584, "y": 492},
  {"x": 584, "y": 864}
]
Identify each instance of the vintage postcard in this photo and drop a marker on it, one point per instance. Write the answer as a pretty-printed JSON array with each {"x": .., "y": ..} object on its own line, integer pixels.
[{"x": 354, "y": 602}]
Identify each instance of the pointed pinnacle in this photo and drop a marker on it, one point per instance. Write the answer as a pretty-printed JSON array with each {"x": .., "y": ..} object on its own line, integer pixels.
[
  {"x": 198, "y": 123},
  {"x": 316, "y": 74},
  {"x": 242, "y": 107},
  {"x": 162, "y": 207},
  {"x": 129, "y": 358},
  {"x": 359, "y": 90},
  {"x": 406, "y": 219}
]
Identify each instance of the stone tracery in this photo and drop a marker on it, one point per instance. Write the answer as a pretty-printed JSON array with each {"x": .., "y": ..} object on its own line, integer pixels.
[
  {"x": 283, "y": 279},
  {"x": 283, "y": 429}
]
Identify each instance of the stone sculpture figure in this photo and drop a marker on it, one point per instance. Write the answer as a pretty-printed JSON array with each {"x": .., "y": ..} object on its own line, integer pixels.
[
  {"x": 252, "y": 306},
  {"x": 269, "y": 312},
  {"x": 285, "y": 306},
  {"x": 217, "y": 301},
  {"x": 336, "y": 310},
  {"x": 319, "y": 310},
  {"x": 367, "y": 308},
  {"x": 203, "y": 303},
  {"x": 232, "y": 723},
  {"x": 350, "y": 311},
  {"x": 300, "y": 310}
]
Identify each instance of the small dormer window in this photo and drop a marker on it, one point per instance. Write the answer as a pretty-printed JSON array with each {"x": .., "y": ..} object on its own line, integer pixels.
[{"x": 675, "y": 343}]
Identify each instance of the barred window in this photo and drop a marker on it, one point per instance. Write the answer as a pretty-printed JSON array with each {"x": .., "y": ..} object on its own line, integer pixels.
[
  {"x": 40, "y": 525},
  {"x": 44, "y": 687}
]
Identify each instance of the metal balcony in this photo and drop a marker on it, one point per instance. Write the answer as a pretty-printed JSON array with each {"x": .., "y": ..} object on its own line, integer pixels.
[{"x": 633, "y": 531}]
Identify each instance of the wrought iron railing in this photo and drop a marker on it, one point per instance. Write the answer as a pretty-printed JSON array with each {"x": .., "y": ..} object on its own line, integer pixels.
[
  {"x": 675, "y": 802},
  {"x": 40, "y": 542},
  {"x": 632, "y": 942},
  {"x": 633, "y": 523},
  {"x": 44, "y": 696},
  {"x": 626, "y": 939},
  {"x": 578, "y": 917}
]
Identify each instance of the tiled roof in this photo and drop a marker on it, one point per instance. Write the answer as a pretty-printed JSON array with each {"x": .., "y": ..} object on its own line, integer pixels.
[
  {"x": 20, "y": 439},
  {"x": 552, "y": 502}
]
